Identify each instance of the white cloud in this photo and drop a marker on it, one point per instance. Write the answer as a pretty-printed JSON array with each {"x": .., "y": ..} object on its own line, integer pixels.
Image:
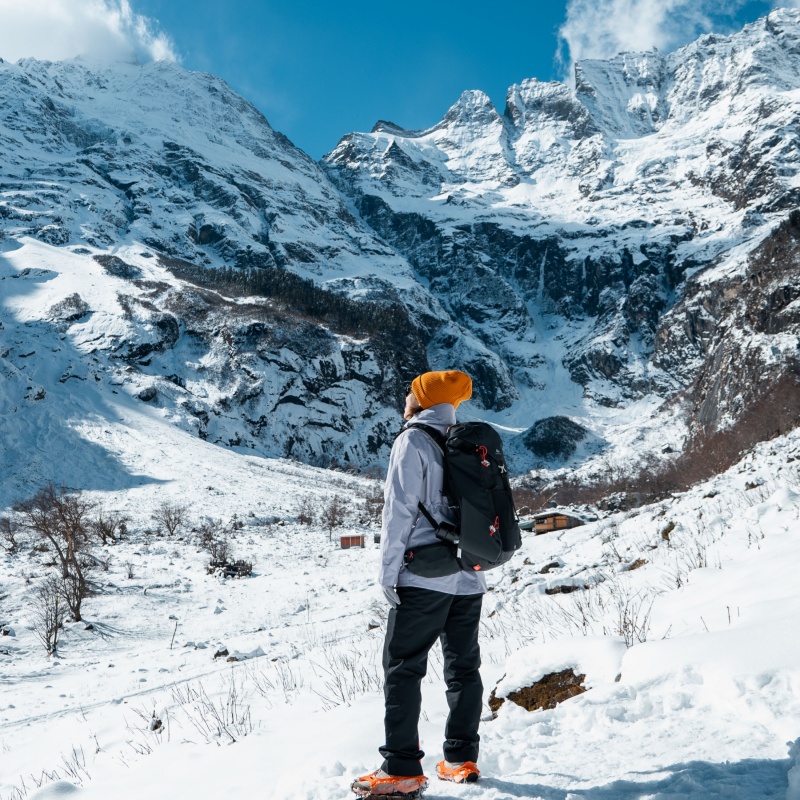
[
  {"x": 58, "y": 29},
  {"x": 603, "y": 28}
]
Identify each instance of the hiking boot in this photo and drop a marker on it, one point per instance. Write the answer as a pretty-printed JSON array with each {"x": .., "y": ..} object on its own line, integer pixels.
[
  {"x": 458, "y": 771},
  {"x": 381, "y": 784}
]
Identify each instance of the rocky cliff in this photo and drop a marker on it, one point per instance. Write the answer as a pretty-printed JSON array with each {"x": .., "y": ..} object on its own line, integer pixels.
[
  {"x": 616, "y": 259},
  {"x": 622, "y": 215}
]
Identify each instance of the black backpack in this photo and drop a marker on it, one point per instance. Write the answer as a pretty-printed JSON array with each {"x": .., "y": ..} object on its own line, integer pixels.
[{"x": 476, "y": 485}]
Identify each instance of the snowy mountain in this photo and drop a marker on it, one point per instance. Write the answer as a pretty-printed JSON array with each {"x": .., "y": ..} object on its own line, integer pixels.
[
  {"x": 620, "y": 256},
  {"x": 133, "y": 175},
  {"x": 622, "y": 237},
  {"x": 183, "y": 292},
  {"x": 681, "y": 617}
]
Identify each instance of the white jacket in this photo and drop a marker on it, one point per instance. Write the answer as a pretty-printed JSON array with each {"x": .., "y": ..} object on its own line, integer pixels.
[{"x": 416, "y": 475}]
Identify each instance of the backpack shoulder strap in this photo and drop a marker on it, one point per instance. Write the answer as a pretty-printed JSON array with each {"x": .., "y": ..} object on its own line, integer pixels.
[{"x": 439, "y": 438}]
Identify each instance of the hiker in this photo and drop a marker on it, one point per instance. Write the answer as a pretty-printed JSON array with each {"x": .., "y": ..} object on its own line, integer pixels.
[{"x": 424, "y": 609}]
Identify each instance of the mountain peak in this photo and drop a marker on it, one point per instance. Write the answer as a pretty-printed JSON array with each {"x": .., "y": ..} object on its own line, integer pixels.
[
  {"x": 384, "y": 126},
  {"x": 533, "y": 102},
  {"x": 624, "y": 94},
  {"x": 472, "y": 106}
]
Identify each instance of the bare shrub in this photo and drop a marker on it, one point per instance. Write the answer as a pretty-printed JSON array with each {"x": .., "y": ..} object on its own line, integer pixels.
[
  {"x": 74, "y": 589},
  {"x": 306, "y": 509},
  {"x": 8, "y": 534},
  {"x": 213, "y": 538},
  {"x": 64, "y": 521},
  {"x": 228, "y": 720},
  {"x": 633, "y": 615},
  {"x": 171, "y": 516},
  {"x": 346, "y": 675},
  {"x": 49, "y": 610},
  {"x": 219, "y": 550},
  {"x": 129, "y": 570},
  {"x": 236, "y": 524},
  {"x": 289, "y": 681},
  {"x": 73, "y": 766},
  {"x": 609, "y": 606},
  {"x": 109, "y": 526},
  {"x": 373, "y": 505},
  {"x": 333, "y": 514},
  {"x": 207, "y": 532}
]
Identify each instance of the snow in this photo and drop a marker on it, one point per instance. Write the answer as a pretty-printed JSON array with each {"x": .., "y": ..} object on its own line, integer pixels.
[
  {"x": 598, "y": 658},
  {"x": 703, "y": 707}
]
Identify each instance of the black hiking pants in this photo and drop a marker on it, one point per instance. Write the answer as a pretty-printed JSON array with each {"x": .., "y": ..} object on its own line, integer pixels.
[{"x": 422, "y": 617}]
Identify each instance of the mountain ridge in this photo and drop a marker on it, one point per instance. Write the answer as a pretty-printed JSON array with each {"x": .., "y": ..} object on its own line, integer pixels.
[{"x": 538, "y": 249}]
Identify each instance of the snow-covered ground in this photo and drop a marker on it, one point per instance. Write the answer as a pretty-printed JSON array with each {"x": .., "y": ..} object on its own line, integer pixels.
[{"x": 703, "y": 706}]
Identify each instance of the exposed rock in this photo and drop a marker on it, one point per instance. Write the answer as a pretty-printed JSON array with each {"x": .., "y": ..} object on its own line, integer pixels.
[
  {"x": 117, "y": 267},
  {"x": 546, "y": 693},
  {"x": 69, "y": 310},
  {"x": 554, "y": 437},
  {"x": 148, "y": 395},
  {"x": 567, "y": 588}
]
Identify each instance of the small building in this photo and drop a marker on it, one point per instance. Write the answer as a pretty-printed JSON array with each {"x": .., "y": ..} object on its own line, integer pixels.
[
  {"x": 553, "y": 520},
  {"x": 352, "y": 540}
]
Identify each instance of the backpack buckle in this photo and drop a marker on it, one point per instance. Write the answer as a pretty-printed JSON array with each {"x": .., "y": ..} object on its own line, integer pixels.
[{"x": 446, "y": 532}]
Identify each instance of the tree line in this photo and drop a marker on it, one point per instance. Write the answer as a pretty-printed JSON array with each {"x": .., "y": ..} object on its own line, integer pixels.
[{"x": 302, "y": 296}]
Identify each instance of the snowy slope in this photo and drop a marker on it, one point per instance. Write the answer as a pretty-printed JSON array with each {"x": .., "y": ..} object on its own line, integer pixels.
[
  {"x": 703, "y": 707},
  {"x": 154, "y": 153},
  {"x": 159, "y": 170}
]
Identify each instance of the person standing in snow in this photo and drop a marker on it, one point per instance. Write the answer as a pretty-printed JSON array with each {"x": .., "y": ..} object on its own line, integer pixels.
[{"x": 425, "y": 609}]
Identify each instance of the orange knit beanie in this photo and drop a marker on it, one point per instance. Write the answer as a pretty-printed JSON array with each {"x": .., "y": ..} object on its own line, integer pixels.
[{"x": 450, "y": 386}]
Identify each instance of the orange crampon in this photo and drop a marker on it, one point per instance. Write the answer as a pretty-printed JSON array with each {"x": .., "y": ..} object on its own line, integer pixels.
[
  {"x": 466, "y": 772},
  {"x": 379, "y": 784}
]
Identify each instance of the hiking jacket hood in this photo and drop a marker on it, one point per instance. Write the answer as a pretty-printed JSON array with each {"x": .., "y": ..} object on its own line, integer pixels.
[{"x": 416, "y": 474}]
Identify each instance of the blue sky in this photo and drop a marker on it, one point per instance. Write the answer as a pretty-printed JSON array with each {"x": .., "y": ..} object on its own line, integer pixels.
[{"x": 320, "y": 69}]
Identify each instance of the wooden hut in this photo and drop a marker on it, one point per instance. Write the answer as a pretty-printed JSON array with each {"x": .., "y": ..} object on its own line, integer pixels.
[
  {"x": 554, "y": 520},
  {"x": 352, "y": 540}
]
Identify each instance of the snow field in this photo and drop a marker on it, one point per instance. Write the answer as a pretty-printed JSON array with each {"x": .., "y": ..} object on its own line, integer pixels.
[{"x": 704, "y": 707}]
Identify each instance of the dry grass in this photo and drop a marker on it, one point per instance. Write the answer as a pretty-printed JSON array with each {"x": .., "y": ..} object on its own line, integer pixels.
[{"x": 776, "y": 413}]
